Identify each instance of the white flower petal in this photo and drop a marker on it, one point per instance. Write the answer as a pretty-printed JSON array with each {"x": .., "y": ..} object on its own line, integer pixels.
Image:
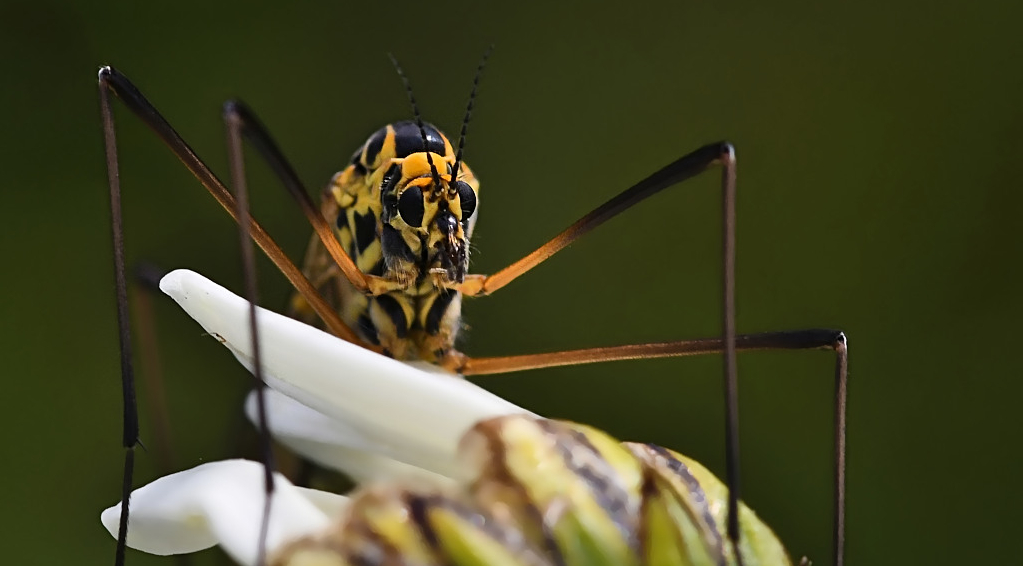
[
  {"x": 330, "y": 504},
  {"x": 221, "y": 503},
  {"x": 329, "y": 442},
  {"x": 407, "y": 414}
]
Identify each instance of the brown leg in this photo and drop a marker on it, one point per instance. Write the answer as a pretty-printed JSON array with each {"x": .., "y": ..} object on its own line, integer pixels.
[
  {"x": 786, "y": 340},
  {"x": 112, "y": 81},
  {"x": 256, "y": 133},
  {"x": 690, "y": 165}
]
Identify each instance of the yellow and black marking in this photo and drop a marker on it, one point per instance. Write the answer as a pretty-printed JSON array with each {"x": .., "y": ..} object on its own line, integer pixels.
[
  {"x": 402, "y": 212},
  {"x": 546, "y": 492},
  {"x": 399, "y": 221}
]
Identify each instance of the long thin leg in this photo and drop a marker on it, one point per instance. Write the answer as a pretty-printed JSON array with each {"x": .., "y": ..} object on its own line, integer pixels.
[
  {"x": 252, "y": 129},
  {"x": 687, "y": 166},
  {"x": 130, "y": 436},
  {"x": 841, "y": 400},
  {"x": 234, "y": 145},
  {"x": 726, "y": 156},
  {"x": 112, "y": 81},
  {"x": 785, "y": 340}
]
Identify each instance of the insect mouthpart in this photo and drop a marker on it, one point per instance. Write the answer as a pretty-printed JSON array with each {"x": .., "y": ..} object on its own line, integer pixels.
[{"x": 448, "y": 240}]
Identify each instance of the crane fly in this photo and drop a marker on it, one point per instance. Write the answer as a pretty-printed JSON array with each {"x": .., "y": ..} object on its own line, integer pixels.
[{"x": 388, "y": 266}]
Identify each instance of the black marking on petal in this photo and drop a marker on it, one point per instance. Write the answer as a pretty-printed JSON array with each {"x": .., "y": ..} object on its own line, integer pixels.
[
  {"x": 365, "y": 229},
  {"x": 365, "y": 546},
  {"x": 392, "y": 307},
  {"x": 651, "y": 494},
  {"x": 419, "y": 512},
  {"x": 696, "y": 494},
  {"x": 583, "y": 459},
  {"x": 498, "y": 471},
  {"x": 505, "y": 535}
]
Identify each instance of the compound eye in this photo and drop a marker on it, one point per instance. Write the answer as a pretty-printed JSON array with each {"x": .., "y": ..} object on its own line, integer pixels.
[
  {"x": 410, "y": 206},
  {"x": 467, "y": 197}
]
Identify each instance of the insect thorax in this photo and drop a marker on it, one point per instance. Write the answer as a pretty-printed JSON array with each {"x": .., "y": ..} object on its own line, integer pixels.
[{"x": 400, "y": 220}]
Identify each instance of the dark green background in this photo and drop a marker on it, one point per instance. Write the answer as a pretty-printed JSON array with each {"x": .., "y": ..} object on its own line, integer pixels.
[{"x": 878, "y": 147}]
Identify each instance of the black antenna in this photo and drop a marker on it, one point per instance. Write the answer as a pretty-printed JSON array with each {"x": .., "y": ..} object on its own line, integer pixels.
[
  {"x": 468, "y": 112},
  {"x": 419, "y": 119}
]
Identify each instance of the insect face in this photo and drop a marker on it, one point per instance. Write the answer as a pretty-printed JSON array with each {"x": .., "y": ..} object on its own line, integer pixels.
[
  {"x": 432, "y": 220},
  {"x": 402, "y": 215}
]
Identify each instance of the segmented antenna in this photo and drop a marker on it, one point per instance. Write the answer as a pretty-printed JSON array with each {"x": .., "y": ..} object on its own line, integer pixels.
[
  {"x": 468, "y": 111},
  {"x": 419, "y": 119}
]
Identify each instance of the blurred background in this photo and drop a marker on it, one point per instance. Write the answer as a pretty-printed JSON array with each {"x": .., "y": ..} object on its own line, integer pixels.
[{"x": 878, "y": 150}]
